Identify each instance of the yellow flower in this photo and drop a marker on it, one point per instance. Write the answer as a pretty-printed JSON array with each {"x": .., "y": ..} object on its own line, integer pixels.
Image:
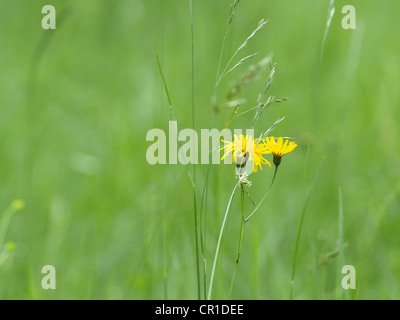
[
  {"x": 278, "y": 149},
  {"x": 245, "y": 148}
]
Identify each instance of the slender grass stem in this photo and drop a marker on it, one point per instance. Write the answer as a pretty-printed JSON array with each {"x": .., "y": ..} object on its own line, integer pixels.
[
  {"x": 210, "y": 287},
  {"x": 203, "y": 243},
  {"x": 205, "y": 188},
  {"x": 265, "y": 195},
  {"x": 192, "y": 181},
  {"x": 331, "y": 12},
  {"x": 196, "y": 229},
  {"x": 196, "y": 223},
  {"x": 240, "y": 241},
  {"x": 164, "y": 248}
]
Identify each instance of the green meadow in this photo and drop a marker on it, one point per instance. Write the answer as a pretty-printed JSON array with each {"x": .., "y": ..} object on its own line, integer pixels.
[{"x": 76, "y": 189}]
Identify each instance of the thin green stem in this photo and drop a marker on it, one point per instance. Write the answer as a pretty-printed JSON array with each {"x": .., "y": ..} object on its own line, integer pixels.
[
  {"x": 196, "y": 227},
  {"x": 205, "y": 188},
  {"x": 164, "y": 248},
  {"x": 331, "y": 12},
  {"x": 213, "y": 105},
  {"x": 240, "y": 241},
  {"x": 265, "y": 195},
  {"x": 192, "y": 181},
  {"x": 210, "y": 287},
  {"x": 202, "y": 232}
]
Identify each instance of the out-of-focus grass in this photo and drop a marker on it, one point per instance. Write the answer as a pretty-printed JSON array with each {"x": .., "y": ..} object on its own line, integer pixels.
[{"x": 75, "y": 110}]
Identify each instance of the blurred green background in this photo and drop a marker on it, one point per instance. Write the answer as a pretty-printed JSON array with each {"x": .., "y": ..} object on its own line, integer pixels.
[{"x": 77, "y": 103}]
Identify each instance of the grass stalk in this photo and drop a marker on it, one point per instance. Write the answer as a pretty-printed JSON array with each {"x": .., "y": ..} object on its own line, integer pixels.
[
  {"x": 210, "y": 287},
  {"x": 240, "y": 240},
  {"x": 190, "y": 178},
  {"x": 205, "y": 187},
  {"x": 196, "y": 222},
  {"x": 331, "y": 12}
]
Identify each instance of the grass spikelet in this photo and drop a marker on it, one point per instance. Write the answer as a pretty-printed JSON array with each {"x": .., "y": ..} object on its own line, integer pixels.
[
  {"x": 260, "y": 25},
  {"x": 245, "y": 79}
]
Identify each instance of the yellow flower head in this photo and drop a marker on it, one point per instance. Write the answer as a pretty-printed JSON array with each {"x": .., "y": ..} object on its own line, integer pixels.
[
  {"x": 278, "y": 149},
  {"x": 245, "y": 148}
]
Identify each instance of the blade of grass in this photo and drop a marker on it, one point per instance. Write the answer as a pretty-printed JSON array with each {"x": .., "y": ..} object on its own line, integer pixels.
[
  {"x": 191, "y": 180},
  {"x": 331, "y": 12}
]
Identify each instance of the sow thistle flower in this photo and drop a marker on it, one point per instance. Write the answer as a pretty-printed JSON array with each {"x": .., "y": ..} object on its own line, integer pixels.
[
  {"x": 244, "y": 149},
  {"x": 278, "y": 149}
]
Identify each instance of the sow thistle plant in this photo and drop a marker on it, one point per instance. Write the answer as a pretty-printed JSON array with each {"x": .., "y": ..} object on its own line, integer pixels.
[
  {"x": 247, "y": 150},
  {"x": 249, "y": 154}
]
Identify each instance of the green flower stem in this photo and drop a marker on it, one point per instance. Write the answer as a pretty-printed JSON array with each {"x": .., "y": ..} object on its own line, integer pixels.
[{"x": 265, "y": 195}]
